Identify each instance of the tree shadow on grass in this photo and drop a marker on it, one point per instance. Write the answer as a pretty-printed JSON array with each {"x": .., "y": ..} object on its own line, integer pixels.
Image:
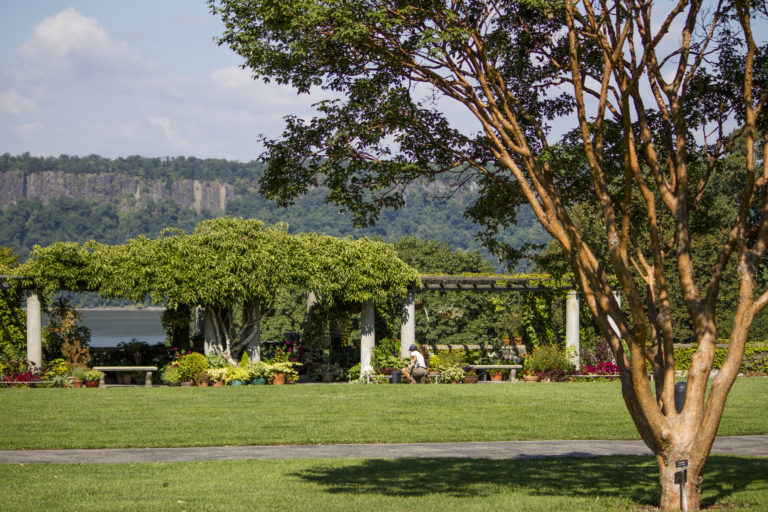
[{"x": 631, "y": 477}]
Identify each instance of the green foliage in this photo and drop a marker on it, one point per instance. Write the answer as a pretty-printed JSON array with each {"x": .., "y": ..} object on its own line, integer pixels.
[
  {"x": 354, "y": 372},
  {"x": 755, "y": 357},
  {"x": 92, "y": 374},
  {"x": 452, "y": 373},
  {"x": 386, "y": 354},
  {"x": 259, "y": 370},
  {"x": 336, "y": 372},
  {"x": 546, "y": 358},
  {"x": 473, "y": 316},
  {"x": 63, "y": 336},
  {"x": 12, "y": 314},
  {"x": 190, "y": 364},
  {"x": 216, "y": 361},
  {"x": 79, "y": 373},
  {"x": 237, "y": 373},
  {"x": 170, "y": 375}
]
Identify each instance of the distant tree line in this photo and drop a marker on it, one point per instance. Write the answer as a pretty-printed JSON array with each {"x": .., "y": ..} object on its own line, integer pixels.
[
  {"x": 30, "y": 222},
  {"x": 163, "y": 168}
]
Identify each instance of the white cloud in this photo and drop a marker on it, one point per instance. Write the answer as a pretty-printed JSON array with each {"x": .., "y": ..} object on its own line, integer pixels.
[
  {"x": 70, "y": 46},
  {"x": 11, "y": 102},
  {"x": 177, "y": 141}
]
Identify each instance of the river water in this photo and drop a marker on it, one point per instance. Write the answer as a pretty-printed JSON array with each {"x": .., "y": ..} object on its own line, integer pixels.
[{"x": 112, "y": 326}]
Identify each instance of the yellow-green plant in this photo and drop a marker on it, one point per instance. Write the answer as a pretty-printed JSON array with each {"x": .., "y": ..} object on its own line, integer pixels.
[
  {"x": 547, "y": 358},
  {"x": 191, "y": 364},
  {"x": 236, "y": 373}
]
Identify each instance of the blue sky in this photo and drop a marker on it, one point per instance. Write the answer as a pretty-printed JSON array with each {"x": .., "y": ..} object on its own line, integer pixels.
[{"x": 122, "y": 78}]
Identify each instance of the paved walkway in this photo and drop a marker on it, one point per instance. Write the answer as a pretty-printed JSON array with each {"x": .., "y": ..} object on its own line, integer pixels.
[{"x": 732, "y": 445}]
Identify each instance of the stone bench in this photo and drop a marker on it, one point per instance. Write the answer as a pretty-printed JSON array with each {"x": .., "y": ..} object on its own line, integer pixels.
[
  {"x": 147, "y": 378},
  {"x": 511, "y": 367}
]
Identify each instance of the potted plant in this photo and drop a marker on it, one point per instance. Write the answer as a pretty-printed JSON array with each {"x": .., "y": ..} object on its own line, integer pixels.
[
  {"x": 259, "y": 372},
  {"x": 77, "y": 376},
  {"x": 282, "y": 372},
  {"x": 470, "y": 376},
  {"x": 170, "y": 375},
  {"x": 61, "y": 381},
  {"x": 547, "y": 360},
  {"x": 236, "y": 376},
  {"x": 530, "y": 377},
  {"x": 216, "y": 376},
  {"x": 329, "y": 372},
  {"x": 509, "y": 326},
  {"x": 452, "y": 373},
  {"x": 190, "y": 365},
  {"x": 201, "y": 378},
  {"x": 93, "y": 377}
]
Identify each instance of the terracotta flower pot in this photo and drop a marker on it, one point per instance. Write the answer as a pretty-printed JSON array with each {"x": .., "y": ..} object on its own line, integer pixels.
[
  {"x": 91, "y": 383},
  {"x": 218, "y": 383},
  {"x": 77, "y": 383},
  {"x": 279, "y": 379},
  {"x": 496, "y": 376},
  {"x": 531, "y": 378}
]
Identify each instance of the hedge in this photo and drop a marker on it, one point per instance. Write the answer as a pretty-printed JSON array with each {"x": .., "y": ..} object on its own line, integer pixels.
[{"x": 755, "y": 357}]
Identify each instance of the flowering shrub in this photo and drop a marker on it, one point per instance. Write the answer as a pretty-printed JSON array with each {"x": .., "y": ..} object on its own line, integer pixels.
[
  {"x": 28, "y": 376},
  {"x": 600, "y": 368}
]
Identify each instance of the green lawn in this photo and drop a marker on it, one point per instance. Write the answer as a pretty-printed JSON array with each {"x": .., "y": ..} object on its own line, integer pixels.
[
  {"x": 263, "y": 415},
  {"x": 138, "y": 417},
  {"x": 562, "y": 484}
]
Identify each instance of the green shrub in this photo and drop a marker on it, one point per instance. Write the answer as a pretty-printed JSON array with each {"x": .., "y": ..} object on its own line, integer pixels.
[
  {"x": 170, "y": 375},
  {"x": 452, "y": 373},
  {"x": 354, "y": 372},
  {"x": 191, "y": 364},
  {"x": 259, "y": 370},
  {"x": 755, "y": 357},
  {"x": 94, "y": 375},
  {"x": 79, "y": 373},
  {"x": 547, "y": 358}
]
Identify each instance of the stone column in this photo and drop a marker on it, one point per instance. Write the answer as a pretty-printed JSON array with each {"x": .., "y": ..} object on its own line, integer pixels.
[
  {"x": 311, "y": 301},
  {"x": 34, "y": 329},
  {"x": 572, "y": 344},
  {"x": 209, "y": 332},
  {"x": 408, "y": 326},
  {"x": 368, "y": 340}
]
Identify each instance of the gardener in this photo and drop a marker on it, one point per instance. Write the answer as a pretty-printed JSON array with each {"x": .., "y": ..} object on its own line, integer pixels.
[{"x": 418, "y": 367}]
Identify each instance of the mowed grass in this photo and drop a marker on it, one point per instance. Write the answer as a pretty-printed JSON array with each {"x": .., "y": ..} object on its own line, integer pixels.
[
  {"x": 326, "y": 414},
  {"x": 562, "y": 484}
]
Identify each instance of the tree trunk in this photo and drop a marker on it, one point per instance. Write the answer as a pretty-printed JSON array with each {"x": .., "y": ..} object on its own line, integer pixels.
[{"x": 671, "y": 482}]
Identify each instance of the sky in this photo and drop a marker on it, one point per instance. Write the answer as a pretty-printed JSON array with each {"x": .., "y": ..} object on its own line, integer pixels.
[{"x": 142, "y": 77}]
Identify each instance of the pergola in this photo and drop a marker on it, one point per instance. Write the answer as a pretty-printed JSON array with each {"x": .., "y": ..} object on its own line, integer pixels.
[
  {"x": 368, "y": 311},
  {"x": 494, "y": 283}
]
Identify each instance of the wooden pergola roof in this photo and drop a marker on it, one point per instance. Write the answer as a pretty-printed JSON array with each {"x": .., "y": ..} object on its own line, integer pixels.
[{"x": 483, "y": 283}]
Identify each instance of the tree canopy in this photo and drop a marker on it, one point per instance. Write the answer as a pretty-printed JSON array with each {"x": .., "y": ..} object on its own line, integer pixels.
[
  {"x": 232, "y": 267},
  {"x": 653, "y": 90}
]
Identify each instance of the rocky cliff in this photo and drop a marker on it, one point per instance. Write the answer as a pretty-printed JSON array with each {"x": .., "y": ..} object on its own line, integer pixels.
[{"x": 122, "y": 190}]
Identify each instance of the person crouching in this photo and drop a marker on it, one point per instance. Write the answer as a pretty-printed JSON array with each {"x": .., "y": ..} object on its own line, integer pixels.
[{"x": 417, "y": 369}]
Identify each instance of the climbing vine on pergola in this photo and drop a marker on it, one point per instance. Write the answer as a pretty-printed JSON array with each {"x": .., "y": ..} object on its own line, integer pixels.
[{"x": 234, "y": 268}]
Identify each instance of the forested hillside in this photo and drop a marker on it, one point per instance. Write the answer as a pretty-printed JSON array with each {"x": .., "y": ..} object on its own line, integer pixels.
[{"x": 45, "y": 200}]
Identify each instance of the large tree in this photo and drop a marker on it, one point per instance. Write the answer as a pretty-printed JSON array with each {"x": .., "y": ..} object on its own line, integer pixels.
[{"x": 653, "y": 89}]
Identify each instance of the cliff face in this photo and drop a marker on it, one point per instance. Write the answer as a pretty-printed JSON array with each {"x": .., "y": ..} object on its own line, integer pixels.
[{"x": 122, "y": 190}]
